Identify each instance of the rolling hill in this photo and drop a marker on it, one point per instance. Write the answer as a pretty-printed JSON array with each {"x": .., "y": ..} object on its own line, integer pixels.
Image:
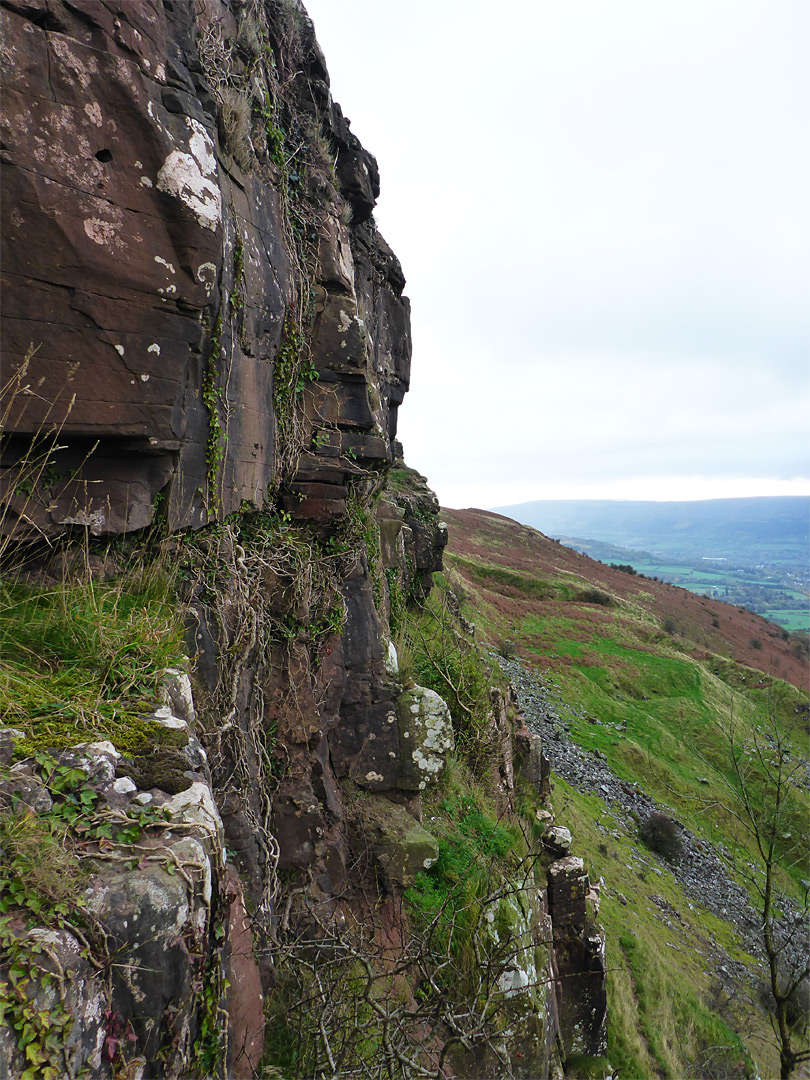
[
  {"x": 521, "y": 573},
  {"x": 636, "y": 687}
]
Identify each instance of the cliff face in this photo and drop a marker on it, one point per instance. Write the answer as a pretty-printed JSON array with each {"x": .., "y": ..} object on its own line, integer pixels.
[
  {"x": 165, "y": 248},
  {"x": 206, "y": 336}
]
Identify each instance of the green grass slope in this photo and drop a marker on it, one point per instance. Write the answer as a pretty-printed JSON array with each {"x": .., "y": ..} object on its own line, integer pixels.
[{"x": 653, "y": 678}]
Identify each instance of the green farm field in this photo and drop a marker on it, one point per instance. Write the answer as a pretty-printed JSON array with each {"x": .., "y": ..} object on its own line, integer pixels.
[
  {"x": 773, "y": 595},
  {"x": 790, "y": 619}
]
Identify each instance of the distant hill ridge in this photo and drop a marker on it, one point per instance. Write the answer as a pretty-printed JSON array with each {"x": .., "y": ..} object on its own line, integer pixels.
[
  {"x": 520, "y": 571},
  {"x": 766, "y": 529}
]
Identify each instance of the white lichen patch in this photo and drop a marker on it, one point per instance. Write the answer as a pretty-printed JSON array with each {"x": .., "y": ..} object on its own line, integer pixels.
[
  {"x": 154, "y": 348},
  {"x": 93, "y": 111},
  {"x": 163, "y": 262},
  {"x": 103, "y": 233},
  {"x": 95, "y": 520},
  {"x": 428, "y": 763},
  {"x": 374, "y": 777},
  {"x": 164, "y": 901},
  {"x": 207, "y": 276},
  {"x": 79, "y": 69},
  {"x": 192, "y": 177},
  {"x": 426, "y": 732},
  {"x": 119, "y": 349},
  {"x": 146, "y": 182},
  {"x": 572, "y": 865}
]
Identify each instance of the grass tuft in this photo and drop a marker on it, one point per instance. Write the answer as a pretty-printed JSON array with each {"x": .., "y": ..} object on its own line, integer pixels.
[{"x": 82, "y": 659}]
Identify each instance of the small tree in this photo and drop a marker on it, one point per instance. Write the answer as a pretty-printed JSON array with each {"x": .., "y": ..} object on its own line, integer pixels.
[{"x": 763, "y": 778}]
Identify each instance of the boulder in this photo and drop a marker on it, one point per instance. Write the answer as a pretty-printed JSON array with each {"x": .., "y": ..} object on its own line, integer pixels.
[
  {"x": 557, "y": 841},
  {"x": 401, "y": 846},
  {"x": 425, "y": 737}
]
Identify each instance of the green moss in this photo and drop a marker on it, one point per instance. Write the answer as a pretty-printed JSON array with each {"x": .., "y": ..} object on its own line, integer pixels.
[
  {"x": 162, "y": 768},
  {"x": 402, "y": 479},
  {"x": 212, "y": 395}
]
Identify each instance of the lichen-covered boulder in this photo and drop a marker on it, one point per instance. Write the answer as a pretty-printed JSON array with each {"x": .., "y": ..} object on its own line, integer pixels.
[
  {"x": 425, "y": 737},
  {"x": 132, "y": 971},
  {"x": 557, "y": 841}
]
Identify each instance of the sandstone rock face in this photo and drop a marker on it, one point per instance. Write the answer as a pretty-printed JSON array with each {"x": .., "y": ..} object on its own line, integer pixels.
[{"x": 146, "y": 229}]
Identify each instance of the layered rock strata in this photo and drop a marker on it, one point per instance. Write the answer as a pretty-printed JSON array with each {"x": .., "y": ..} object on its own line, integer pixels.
[{"x": 164, "y": 252}]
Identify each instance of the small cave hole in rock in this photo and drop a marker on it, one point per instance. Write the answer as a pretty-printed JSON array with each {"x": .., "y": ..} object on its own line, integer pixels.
[{"x": 104, "y": 155}]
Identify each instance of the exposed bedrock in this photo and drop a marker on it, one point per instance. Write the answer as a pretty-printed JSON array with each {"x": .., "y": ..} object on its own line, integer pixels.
[
  {"x": 151, "y": 272},
  {"x": 200, "y": 322}
]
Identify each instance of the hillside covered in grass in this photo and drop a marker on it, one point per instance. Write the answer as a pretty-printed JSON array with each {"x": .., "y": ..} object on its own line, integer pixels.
[
  {"x": 534, "y": 589},
  {"x": 644, "y": 693}
]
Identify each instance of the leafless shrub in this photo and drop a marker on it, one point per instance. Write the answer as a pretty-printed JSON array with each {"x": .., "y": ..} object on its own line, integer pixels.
[
  {"x": 660, "y": 834},
  {"x": 354, "y": 999}
]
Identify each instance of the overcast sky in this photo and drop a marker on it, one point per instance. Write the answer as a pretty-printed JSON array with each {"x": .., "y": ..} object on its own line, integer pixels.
[{"x": 601, "y": 209}]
